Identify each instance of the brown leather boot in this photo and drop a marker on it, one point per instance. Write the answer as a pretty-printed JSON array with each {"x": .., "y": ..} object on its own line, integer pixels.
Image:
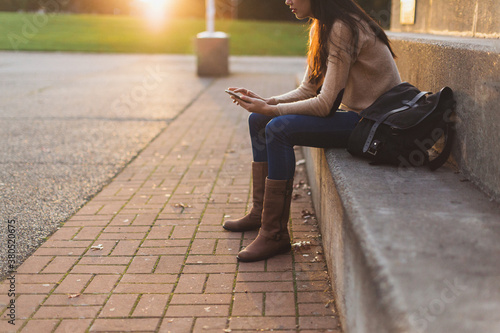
[
  {"x": 273, "y": 238},
  {"x": 252, "y": 220}
]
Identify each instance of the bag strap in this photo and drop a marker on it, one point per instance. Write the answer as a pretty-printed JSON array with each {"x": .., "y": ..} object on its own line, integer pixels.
[
  {"x": 449, "y": 136},
  {"x": 406, "y": 106},
  {"x": 337, "y": 103}
]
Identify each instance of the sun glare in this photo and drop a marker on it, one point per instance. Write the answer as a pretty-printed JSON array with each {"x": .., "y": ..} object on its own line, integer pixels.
[{"x": 155, "y": 11}]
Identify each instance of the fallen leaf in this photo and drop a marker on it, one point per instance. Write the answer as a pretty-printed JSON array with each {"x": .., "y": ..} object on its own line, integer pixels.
[
  {"x": 97, "y": 247},
  {"x": 306, "y": 214},
  {"x": 303, "y": 245},
  {"x": 73, "y": 295},
  {"x": 182, "y": 206}
]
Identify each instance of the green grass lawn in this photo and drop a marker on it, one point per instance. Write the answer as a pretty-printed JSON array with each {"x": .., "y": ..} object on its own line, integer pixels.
[{"x": 124, "y": 34}]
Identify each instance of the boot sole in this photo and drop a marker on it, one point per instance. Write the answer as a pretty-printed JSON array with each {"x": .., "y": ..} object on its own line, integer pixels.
[
  {"x": 240, "y": 230},
  {"x": 259, "y": 259}
]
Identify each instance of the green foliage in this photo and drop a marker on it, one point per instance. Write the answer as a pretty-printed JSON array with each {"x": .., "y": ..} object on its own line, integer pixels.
[
  {"x": 265, "y": 37},
  {"x": 125, "y": 34},
  {"x": 79, "y": 6},
  {"x": 241, "y": 9},
  {"x": 263, "y": 10}
]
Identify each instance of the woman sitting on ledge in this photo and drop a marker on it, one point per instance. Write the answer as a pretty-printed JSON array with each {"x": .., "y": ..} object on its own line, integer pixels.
[{"x": 350, "y": 63}]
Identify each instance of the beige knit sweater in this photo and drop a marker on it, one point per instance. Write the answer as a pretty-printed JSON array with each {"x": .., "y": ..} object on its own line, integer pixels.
[{"x": 365, "y": 75}]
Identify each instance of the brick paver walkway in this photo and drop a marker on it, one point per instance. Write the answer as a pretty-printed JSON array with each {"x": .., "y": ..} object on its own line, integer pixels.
[{"x": 148, "y": 252}]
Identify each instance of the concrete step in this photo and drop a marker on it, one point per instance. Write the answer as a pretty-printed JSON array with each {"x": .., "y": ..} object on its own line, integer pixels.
[
  {"x": 409, "y": 250},
  {"x": 471, "y": 67}
]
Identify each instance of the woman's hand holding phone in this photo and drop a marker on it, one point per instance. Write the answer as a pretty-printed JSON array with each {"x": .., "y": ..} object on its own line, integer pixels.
[
  {"x": 251, "y": 102},
  {"x": 235, "y": 95},
  {"x": 245, "y": 92}
]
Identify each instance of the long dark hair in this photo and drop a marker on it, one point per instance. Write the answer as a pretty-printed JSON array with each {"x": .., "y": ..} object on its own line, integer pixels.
[{"x": 325, "y": 13}]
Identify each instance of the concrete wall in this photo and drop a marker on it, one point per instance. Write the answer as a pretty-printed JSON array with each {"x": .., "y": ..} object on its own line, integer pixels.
[
  {"x": 473, "y": 18},
  {"x": 430, "y": 58}
]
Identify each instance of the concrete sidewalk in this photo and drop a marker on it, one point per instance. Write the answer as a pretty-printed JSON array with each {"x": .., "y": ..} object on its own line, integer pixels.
[{"x": 148, "y": 253}]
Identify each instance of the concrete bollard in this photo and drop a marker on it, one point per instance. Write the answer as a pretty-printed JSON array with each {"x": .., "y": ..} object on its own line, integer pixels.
[{"x": 212, "y": 49}]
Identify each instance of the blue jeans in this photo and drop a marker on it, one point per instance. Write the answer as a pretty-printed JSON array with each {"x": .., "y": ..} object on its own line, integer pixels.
[{"x": 273, "y": 138}]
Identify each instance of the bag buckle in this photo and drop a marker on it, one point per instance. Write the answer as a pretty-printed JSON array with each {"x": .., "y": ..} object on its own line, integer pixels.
[{"x": 374, "y": 146}]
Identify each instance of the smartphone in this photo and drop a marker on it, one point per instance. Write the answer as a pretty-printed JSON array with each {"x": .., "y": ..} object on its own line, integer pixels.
[{"x": 232, "y": 93}]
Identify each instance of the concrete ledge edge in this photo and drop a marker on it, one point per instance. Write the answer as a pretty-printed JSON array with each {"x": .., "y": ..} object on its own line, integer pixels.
[
  {"x": 464, "y": 43},
  {"x": 389, "y": 299}
]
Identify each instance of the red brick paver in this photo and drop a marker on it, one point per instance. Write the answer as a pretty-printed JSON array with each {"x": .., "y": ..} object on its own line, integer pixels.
[{"x": 148, "y": 252}]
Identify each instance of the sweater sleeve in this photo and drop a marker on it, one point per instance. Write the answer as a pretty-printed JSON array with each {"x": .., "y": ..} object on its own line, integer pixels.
[
  {"x": 305, "y": 90},
  {"x": 340, "y": 59}
]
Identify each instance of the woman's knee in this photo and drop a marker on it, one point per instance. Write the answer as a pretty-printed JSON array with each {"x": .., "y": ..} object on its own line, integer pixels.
[
  {"x": 278, "y": 126},
  {"x": 258, "y": 121}
]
